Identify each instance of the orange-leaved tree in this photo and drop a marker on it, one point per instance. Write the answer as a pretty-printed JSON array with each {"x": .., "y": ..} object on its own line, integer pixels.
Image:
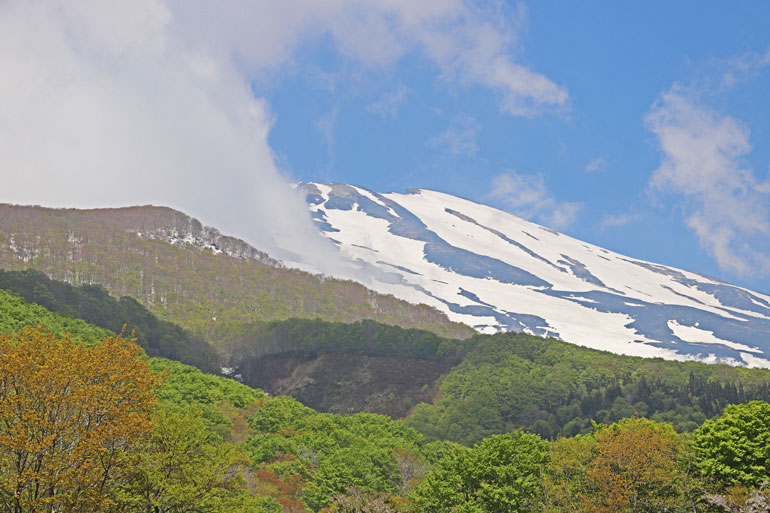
[
  {"x": 635, "y": 467},
  {"x": 69, "y": 418}
]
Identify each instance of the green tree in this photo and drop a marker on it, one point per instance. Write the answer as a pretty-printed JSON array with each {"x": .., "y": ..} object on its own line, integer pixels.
[
  {"x": 567, "y": 485},
  {"x": 185, "y": 468},
  {"x": 502, "y": 474},
  {"x": 734, "y": 449}
]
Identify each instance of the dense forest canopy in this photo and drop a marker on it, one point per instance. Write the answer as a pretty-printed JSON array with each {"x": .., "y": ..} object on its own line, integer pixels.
[{"x": 172, "y": 438}]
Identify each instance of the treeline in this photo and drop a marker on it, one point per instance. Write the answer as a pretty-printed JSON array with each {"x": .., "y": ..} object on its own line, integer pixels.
[
  {"x": 309, "y": 337},
  {"x": 96, "y": 306},
  {"x": 635, "y": 465}
]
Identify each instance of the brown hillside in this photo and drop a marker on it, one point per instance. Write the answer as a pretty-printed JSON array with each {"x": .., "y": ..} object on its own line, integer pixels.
[{"x": 190, "y": 274}]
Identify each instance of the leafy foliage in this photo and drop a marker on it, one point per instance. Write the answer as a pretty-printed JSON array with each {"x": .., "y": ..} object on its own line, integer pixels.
[
  {"x": 500, "y": 474},
  {"x": 71, "y": 416},
  {"x": 186, "y": 468},
  {"x": 223, "y": 403},
  {"x": 735, "y": 448},
  {"x": 634, "y": 466},
  {"x": 324, "y": 455}
]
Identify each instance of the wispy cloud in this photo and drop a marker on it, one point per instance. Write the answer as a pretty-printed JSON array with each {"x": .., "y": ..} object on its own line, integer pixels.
[
  {"x": 459, "y": 138},
  {"x": 388, "y": 105},
  {"x": 615, "y": 221},
  {"x": 469, "y": 43},
  {"x": 327, "y": 126},
  {"x": 528, "y": 196},
  {"x": 743, "y": 67},
  {"x": 597, "y": 164},
  {"x": 702, "y": 162}
]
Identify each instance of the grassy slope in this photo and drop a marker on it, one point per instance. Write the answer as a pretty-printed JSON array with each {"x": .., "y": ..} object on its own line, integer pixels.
[{"x": 210, "y": 294}]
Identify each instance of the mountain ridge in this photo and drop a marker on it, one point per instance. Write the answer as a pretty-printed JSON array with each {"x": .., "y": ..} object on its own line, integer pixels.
[
  {"x": 189, "y": 274},
  {"x": 498, "y": 272}
]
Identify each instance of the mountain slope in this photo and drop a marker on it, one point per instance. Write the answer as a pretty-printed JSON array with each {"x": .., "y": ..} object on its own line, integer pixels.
[
  {"x": 189, "y": 274},
  {"x": 497, "y": 272},
  {"x": 94, "y": 305}
]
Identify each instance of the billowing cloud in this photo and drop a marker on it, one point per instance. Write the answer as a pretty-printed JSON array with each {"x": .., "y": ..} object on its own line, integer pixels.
[
  {"x": 703, "y": 162},
  {"x": 110, "y": 103},
  {"x": 105, "y": 105},
  {"x": 528, "y": 196},
  {"x": 470, "y": 42}
]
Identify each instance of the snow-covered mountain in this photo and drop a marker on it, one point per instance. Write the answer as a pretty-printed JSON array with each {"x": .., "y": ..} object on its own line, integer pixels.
[{"x": 498, "y": 272}]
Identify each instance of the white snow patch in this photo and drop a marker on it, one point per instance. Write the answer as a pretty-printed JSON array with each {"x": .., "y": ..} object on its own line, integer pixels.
[
  {"x": 700, "y": 336},
  {"x": 755, "y": 361}
]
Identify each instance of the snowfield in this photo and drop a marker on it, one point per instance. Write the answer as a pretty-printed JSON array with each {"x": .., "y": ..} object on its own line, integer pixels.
[{"x": 497, "y": 272}]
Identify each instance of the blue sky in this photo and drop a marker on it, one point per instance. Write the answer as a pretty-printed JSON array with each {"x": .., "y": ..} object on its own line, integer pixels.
[
  {"x": 642, "y": 127},
  {"x": 405, "y": 126}
]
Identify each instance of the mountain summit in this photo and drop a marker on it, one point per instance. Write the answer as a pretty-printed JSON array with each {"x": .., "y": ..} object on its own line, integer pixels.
[{"x": 497, "y": 272}]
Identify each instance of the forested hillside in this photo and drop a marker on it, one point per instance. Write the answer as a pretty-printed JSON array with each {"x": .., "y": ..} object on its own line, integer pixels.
[
  {"x": 180, "y": 440},
  {"x": 16, "y": 314},
  {"x": 188, "y": 274},
  {"x": 486, "y": 385},
  {"x": 217, "y": 445},
  {"x": 509, "y": 381},
  {"x": 459, "y": 390},
  {"x": 94, "y": 305}
]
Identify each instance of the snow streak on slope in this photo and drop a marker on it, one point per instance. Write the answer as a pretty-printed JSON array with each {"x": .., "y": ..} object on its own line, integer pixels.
[{"x": 497, "y": 272}]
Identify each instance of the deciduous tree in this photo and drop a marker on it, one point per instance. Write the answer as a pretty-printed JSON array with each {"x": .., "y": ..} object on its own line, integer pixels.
[
  {"x": 68, "y": 417},
  {"x": 635, "y": 467},
  {"x": 502, "y": 474},
  {"x": 734, "y": 449}
]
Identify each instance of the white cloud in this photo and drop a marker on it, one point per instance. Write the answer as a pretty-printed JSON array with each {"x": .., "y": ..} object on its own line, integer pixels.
[
  {"x": 459, "y": 138},
  {"x": 597, "y": 164},
  {"x": 388, "y": 105},
  {"x": 468, "y": 43},
  {"x": 106, "y": 104},
  {"x": 150, "y": 101},
  {"x": 702, "y": 161},
  {"x": 528, "y": 196}
]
